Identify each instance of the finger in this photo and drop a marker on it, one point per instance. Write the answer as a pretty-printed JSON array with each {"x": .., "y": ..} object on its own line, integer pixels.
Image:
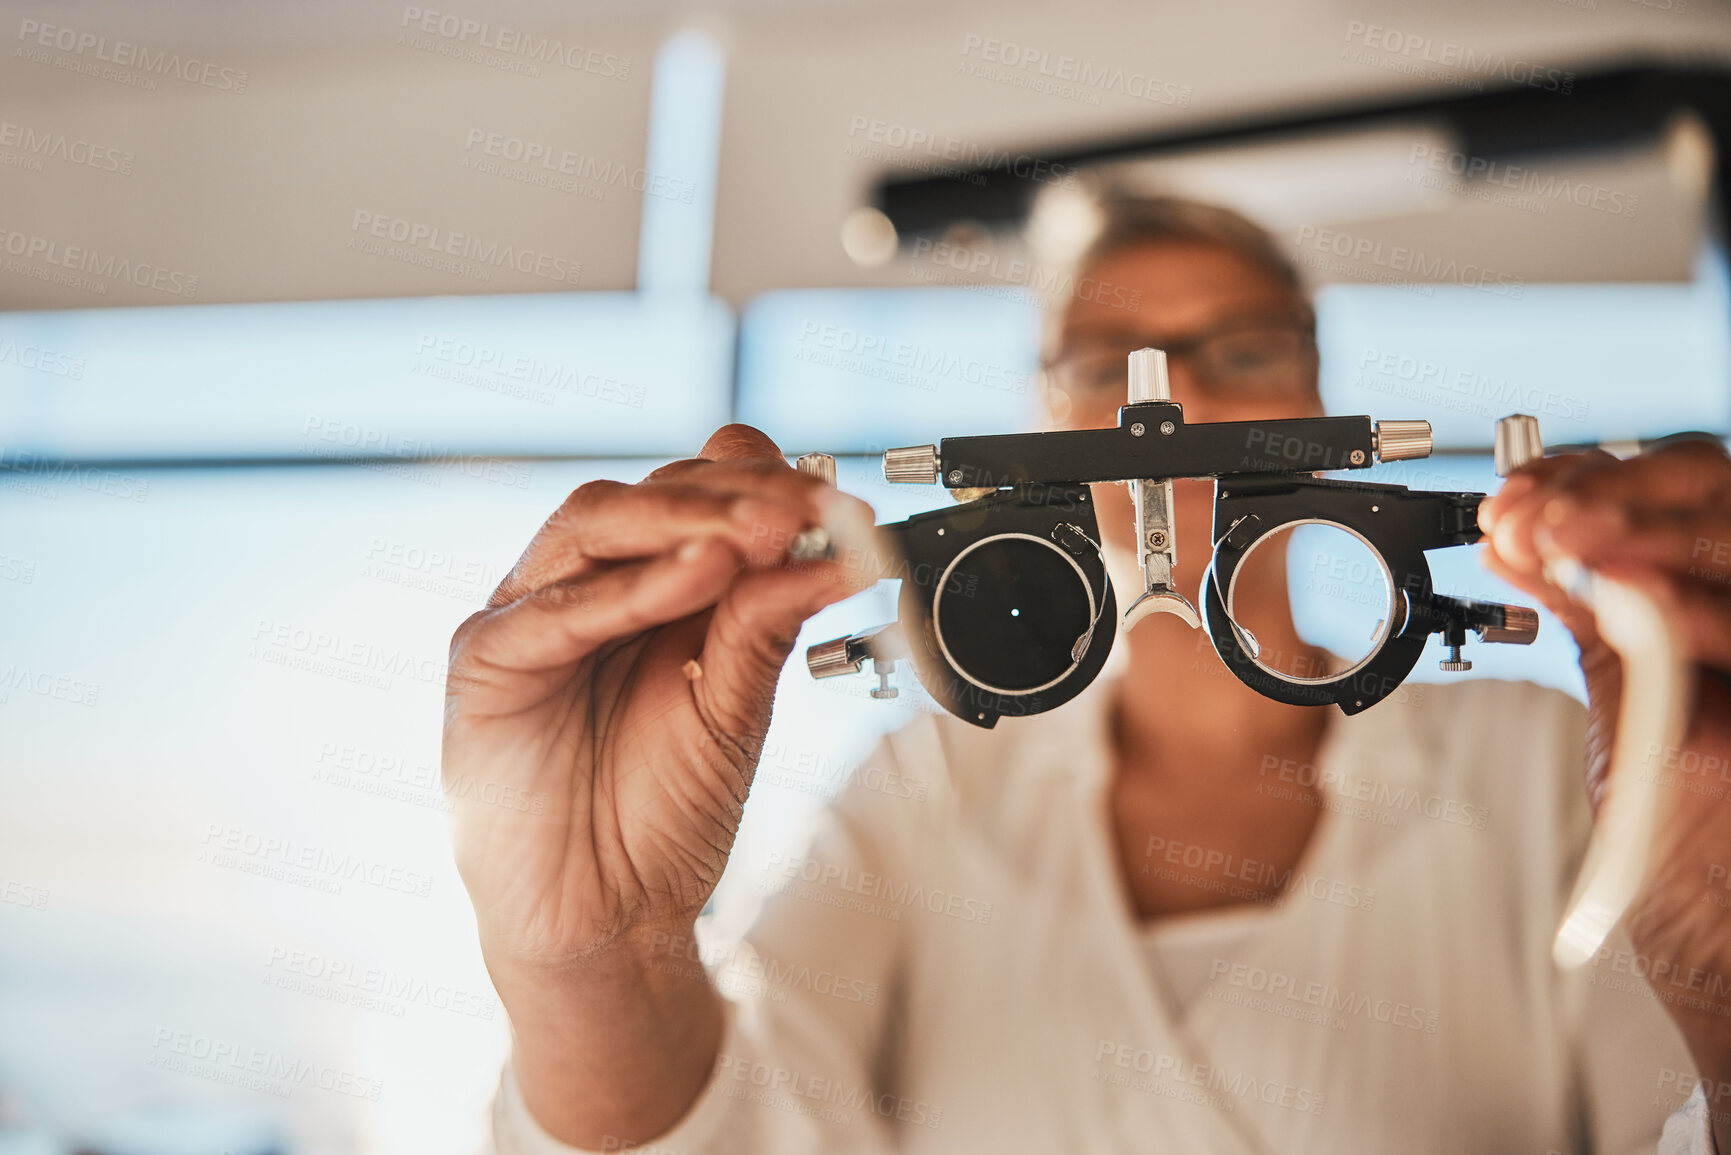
[
  {"x": 649, "y": 519},
  {"x": 605, "y": 521},
  {"x": 740, "y": 455},
  {"x": 773, "y": 480},
  {"x": 737, "y": 441},
  {"x": 539, "y": 637},
  {"x": 559, "y": 550},
  {"x": 1517, "y": 510},
  {"x": 1685, "y": 473},
  {"x": 1691, "y": 542},
  {"x": 1523, "y": 482},
  {"x": 1700, "y": 614},
  {"x": 740, "y": 443},
  {"x": 750, "y": 635}
]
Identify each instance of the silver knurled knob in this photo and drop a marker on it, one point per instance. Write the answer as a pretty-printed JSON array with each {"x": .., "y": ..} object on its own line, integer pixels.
[
  {"x": 818, "y": 465},
  {"x": 1454, "y": 663},
  {"x": 914, "y": 464},
  {"x": 1401, "y": 440},
  {"x": 828, "y": 659},
  {"x": 812, "y": 543},
  {"x": 1520, "y": 627},
  {"x": 1517, "y": 443},
  {"x": 1148, "y": 380}
]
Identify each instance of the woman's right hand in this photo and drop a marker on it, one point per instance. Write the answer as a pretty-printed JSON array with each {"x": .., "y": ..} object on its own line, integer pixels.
[
  {"x": 605, "y": 712},
  {"x": 603, "y": 719}
]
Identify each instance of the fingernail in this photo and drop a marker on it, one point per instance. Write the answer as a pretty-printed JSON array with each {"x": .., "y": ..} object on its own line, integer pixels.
[{"x": 691, "y": 550}]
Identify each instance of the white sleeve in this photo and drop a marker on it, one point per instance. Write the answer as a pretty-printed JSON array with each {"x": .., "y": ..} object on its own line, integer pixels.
[
  {"x": 802, "y": 1066},
  {"x": 1688, "y": 1131},
  {"x": 1638, "y": 1077}
]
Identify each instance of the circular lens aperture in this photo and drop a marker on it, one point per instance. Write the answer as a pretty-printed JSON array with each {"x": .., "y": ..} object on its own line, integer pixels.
[
  {"x": 1009, "y": 612},
  {"x": 1339, "y": 591}
]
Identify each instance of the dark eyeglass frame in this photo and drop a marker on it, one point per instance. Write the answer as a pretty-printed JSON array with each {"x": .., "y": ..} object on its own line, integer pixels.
[{"x": 1301, "y": 325}]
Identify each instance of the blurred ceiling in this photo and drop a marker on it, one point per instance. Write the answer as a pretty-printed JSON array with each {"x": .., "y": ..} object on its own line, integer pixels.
[{"x": 357, "y": 117}]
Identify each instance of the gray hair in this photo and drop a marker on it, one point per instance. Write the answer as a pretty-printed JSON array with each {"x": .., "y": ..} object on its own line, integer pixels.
[{"x": 1074, "y": 226}]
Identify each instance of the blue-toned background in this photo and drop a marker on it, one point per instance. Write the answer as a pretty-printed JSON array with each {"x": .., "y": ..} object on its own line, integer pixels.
[{"x": 238, "y": 530}]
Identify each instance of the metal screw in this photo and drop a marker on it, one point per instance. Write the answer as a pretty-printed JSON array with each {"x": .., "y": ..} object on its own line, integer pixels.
[
  {"x": 1157, "y": 538},
  {"x": 1357, "y": 457},
  {"x": 1137, "y": 429},
  {"x": 1167, "y": 427},
  {"x": 955, "y": 477},
  {"x": 810, "y": 544},
  {"x": 1454, "y": 663}
]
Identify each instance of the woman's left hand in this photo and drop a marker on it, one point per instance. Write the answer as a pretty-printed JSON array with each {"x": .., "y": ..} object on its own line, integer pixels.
[{"x": 1662, "y": 522}]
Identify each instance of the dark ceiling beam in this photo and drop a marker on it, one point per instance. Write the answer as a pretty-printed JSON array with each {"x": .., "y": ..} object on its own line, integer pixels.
[{"x": 1620, "y": 106}]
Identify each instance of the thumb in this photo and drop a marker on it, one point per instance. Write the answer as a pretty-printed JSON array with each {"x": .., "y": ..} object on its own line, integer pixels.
[{"x": 740, "y": 442}]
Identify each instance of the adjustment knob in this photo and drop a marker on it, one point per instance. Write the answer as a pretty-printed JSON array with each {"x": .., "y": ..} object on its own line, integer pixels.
[
  {"x": 812, "y": 543},
  {"x": 1148, "y": 379},
  {"x": 829, "y": 659},
  {"x": 1517, "y": 442},
  {"x": 820, "y": 465},
  {"x": 912, "y": 464},
  {"x": 1401, "y": 440},
  {"x": 1454, "y": 665},
  {"x": 1520, "y": 627},
  {"x": 883, "y": 668}
]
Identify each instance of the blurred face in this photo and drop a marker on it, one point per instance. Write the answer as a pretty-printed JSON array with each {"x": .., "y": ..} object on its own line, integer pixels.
[{"x": 1239, "y": 345}]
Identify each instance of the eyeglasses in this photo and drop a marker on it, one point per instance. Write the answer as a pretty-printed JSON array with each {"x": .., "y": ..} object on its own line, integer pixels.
[{"x": 1244, "y": 359}]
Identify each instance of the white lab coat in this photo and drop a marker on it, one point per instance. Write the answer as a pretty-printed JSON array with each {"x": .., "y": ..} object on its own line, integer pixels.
[{"x": 956, "y": 967}]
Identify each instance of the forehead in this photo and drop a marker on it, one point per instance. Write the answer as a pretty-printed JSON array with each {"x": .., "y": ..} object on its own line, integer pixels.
[{"x": 1177, "y": 286}]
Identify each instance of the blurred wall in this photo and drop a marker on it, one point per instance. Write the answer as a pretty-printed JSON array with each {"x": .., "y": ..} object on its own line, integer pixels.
[{"x": 380, "y": 116}]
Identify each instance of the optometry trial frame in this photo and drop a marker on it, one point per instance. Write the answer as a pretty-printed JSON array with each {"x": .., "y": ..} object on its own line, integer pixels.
[{"x": 1006, "y": 608}]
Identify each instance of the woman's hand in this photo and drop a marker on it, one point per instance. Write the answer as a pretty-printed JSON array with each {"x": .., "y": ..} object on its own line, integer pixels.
[
  {"x": 1661, "y": 522},
  {"x": 603, "y": 720}
]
